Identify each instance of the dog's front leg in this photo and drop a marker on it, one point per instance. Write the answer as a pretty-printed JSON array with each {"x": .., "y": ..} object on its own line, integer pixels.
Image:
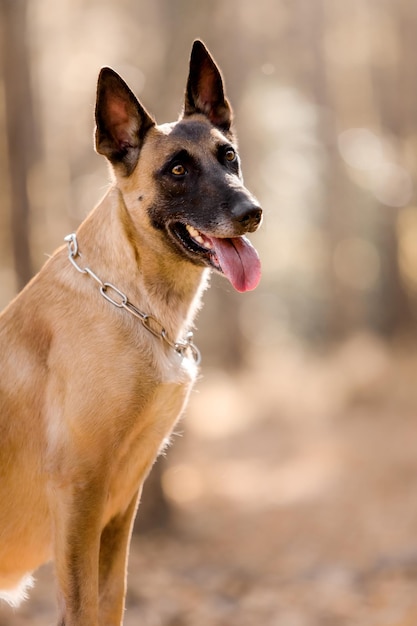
[
  {"x": 114, "y": 545},
  {"x": 78, "y": 511}
]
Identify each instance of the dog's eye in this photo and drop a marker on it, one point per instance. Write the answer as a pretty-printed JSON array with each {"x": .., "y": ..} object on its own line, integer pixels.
[
  {"x": 230, "y": 155},
  {"x": 178, "y": 170}
]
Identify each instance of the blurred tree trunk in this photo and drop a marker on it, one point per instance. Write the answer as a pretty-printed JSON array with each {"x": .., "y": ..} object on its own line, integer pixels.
[
  {"x": 397, "y": 116},
  {"x": 386, "y": 308},
  {"x": 312, "y": 23},
  {"x": 154, "y": 510},
  {"x": 19, "y": 123}
]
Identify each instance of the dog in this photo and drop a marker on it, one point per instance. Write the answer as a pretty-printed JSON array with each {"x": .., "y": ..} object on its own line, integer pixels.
[{"x": 97, "y": 360}]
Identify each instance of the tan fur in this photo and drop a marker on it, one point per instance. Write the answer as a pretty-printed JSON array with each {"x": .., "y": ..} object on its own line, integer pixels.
[
  {"x": 88, "y": 395},
  {"x": 128, "y": 391}
]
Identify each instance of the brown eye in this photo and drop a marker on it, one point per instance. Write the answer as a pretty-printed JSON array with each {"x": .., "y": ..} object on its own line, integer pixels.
[
  {"x": 178, "y": 170},
  {"x": 230, "y": 155}
]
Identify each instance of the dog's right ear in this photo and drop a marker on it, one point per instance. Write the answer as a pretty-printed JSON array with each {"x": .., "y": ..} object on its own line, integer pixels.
[{"x": 121, "y": 121}]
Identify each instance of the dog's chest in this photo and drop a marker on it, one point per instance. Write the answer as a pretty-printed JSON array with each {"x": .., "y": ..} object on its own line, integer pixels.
[{"x": 136, "y": 452}]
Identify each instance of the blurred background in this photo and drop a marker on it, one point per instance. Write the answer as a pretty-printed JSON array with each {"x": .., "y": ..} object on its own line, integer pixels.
[{"x": 288, "y": 496}]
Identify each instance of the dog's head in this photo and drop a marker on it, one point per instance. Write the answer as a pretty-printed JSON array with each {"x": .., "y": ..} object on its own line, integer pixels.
[{"x": 183, "y": 180}]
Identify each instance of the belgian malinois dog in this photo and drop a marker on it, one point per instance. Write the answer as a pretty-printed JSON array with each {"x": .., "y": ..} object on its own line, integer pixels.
[{"x": 96, "y": 356}]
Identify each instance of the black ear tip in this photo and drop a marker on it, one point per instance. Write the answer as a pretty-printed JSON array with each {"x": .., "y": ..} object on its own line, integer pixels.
[
  {"x": 106, "y": 71},
  {"x": 199, "y": 49},
  {"x": 197, "y": 43},
  {"x": 106, "y": 74}
]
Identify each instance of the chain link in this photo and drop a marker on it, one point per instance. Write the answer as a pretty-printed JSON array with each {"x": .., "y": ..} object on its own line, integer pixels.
[{"x": 112, "y": 294}]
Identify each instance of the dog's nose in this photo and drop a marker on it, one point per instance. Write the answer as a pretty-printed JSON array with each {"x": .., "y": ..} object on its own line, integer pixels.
[{"x": 250, "y": 218}]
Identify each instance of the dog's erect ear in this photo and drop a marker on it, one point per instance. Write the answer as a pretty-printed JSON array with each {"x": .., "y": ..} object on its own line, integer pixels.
[
  {"x": 205, "y": 92},
  {"x": 121, "y": 121}
]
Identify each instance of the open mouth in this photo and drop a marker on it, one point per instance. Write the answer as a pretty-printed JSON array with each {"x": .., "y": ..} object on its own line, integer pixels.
[
  {"x": 235, "y": 257},
  {"x": 196, "y": 243}
]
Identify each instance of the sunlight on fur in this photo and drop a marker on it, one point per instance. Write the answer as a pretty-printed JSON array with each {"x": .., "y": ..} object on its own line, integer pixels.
[{"x": 15, "y": 596}]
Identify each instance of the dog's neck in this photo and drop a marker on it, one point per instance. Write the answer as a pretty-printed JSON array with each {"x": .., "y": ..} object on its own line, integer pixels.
[{"x": 162, "y": 285}]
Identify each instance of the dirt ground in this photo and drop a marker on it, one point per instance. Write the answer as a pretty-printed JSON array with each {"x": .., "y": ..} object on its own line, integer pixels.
[{"x": 294, "y": 489}]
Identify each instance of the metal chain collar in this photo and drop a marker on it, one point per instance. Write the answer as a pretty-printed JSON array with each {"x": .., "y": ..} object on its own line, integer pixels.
[{"x": 113, "y": 295}]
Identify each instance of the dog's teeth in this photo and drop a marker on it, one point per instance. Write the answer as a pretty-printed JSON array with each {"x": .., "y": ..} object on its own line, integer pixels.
[{"x": 194, "y": 233}]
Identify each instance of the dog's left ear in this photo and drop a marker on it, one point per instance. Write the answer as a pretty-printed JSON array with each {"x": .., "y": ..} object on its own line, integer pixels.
[
  {"x": 205, "y": 91},
  {"x": 121, "y": 121}
]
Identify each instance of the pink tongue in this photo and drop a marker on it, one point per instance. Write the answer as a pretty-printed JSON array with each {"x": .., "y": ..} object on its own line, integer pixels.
[{"x": 239, "y": 262}]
